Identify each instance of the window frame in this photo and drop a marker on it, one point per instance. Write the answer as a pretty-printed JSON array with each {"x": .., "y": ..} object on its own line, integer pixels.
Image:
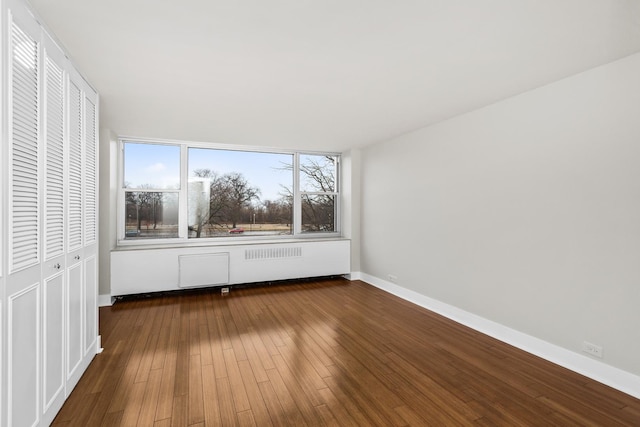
[{"x": 183, "y": 234}]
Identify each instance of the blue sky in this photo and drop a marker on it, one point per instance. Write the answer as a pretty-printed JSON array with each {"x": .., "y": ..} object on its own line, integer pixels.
[
  {"x": 159, "y": 166},
  {"x": 155, "y": 165},
  {"x": 262, "y": 170}
]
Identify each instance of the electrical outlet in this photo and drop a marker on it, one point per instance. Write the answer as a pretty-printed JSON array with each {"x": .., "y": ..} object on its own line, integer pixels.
[
  {"x": 224, "y": 291},
  {"x": 592, "y": 349},
  {"x": 392, "y": 278}
]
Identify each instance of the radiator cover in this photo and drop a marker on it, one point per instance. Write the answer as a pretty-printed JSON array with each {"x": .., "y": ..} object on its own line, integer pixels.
[{"x": 164, "y": 269}]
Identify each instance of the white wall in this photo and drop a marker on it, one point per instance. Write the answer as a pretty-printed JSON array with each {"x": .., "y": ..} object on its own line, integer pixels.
[
  {"x": 525, "y": 212},
  {"x": 108, "y": 193},
  {"x": 350, "y": 202}
]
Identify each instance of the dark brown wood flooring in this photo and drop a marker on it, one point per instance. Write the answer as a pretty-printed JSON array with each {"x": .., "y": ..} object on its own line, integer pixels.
[{"x": 325, "y": 352}]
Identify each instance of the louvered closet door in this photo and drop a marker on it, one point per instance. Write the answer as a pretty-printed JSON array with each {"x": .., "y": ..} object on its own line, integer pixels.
[
  {"x": 90, "y": 216},
  {"x": 53, "y": 266},
  {"x": 75, "y": 292},
  {"x": 23, "y": 282}
]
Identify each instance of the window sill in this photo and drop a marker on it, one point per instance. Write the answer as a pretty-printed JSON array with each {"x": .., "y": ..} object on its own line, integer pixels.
[{"x": 130, "y": 245}]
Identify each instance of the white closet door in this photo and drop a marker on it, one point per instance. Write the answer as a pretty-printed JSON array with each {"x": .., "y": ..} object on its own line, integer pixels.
[
  {"x": 23, "y": 281},
  {"x": 53, "y": 293},
  {"x": 90, "y": 222}
]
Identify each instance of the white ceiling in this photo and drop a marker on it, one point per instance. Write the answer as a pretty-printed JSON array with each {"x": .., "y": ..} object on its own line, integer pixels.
[{"x": 325, "y": 74}]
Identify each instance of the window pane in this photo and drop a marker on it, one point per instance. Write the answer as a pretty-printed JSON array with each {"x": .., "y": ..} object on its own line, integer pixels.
[
  {"x": 317, "y": 173},
  {"x": 318, "y": 213},
  {"x": 154, "y": 166},
  {"x": 151, "y": 215},
  {"x": 239, "y": 193}
]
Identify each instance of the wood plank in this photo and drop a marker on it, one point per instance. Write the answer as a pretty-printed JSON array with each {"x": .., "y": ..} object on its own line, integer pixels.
[
  {"x": 253, "y": 357},
  {"x": 113, "y": 419},
  {"x": 210, "y": 396},
  {"x": 196, "y": 394},
  {"x": 167, "y": 386},
  {"x": 179, "y": 412},
  {"x": 133, "y": 404},
  {"x": 147, "y": 415},
  {"x": 163, "y": 423},
  {"x": 238, "y": 391},
  {"x": 181, "y": 386},
  {"x": 228, "y": 413},
  {"x": 256, "y": 399},
  {"x": 246, "y": 419},
  {"x": 346, "y": 416},
  {"x": 205, "y": 344}
]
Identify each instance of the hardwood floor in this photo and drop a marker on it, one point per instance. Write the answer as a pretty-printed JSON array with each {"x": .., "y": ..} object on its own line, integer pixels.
[{"x": 326, "y": 352}]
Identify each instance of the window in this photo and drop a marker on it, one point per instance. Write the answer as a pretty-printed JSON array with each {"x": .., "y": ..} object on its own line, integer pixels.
[
  {"x": 151, "y": 190},
  {"x": 239, "y": 193},
  {"x": 318, "y": 192},
  {"x": 184, "y": 191}
]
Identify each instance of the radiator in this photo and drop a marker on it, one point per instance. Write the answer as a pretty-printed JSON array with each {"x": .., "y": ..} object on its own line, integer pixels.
[{"x": 154, "y": 270}]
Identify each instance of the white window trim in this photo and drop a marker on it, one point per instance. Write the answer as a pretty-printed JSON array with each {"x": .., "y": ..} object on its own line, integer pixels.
[{"x": 183, "y": 239}]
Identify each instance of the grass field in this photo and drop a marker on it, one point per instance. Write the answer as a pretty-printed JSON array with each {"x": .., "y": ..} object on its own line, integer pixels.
[{"x": 162, "y": 231}]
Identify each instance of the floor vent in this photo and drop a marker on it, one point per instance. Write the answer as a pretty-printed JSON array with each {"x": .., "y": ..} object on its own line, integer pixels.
[{"x": 272, "y": 253}]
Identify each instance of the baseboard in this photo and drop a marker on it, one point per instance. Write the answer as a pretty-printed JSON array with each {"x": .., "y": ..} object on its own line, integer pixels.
[
  {"x": 354, "y": 275},
  {"x": 99, "y": 348},
  {"x": 105, "y": 300},
  {"x": 613, "y": 377}
]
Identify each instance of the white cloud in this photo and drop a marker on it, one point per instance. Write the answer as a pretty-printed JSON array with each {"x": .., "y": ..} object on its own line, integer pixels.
[{"x": 156, "y": 167}]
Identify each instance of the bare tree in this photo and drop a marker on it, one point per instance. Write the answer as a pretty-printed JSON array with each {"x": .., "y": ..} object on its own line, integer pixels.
[
  {"x": 277, "y": 211},
  {"x": 240, "y": 195},
  {"x": 228, "y": 196},
  {"x": 155, "y": 201},
  {"x": 317, "y": 179},
  {"x": 318, "y": 176},
  {"x": 147, "y": 204},
  {"x": 208, "y": 210},
  {"x": 318, "y": 172}
]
